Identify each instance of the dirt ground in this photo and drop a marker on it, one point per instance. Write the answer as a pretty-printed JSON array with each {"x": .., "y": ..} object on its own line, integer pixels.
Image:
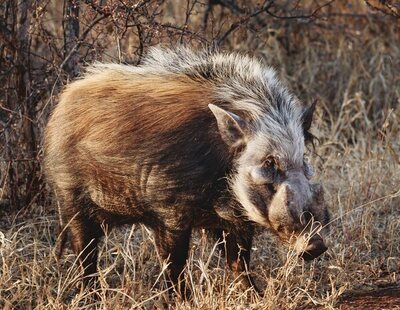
[{"x": 381, "y": 298}]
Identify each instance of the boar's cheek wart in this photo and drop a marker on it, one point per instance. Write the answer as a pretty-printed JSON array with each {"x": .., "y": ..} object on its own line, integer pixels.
[{"x": 278, "y": 212}]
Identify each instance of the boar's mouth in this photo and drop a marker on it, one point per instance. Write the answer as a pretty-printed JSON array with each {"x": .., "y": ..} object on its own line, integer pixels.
[
  {"x": 314, "y": 249},
  {"x": 307, "y": 242},
  {"x": 310, "y": 248}
]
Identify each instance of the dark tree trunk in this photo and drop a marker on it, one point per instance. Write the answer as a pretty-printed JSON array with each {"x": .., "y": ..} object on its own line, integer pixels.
[
  {"x": 23, "y": 168},
  {"x": 28, "y": 138},
  {"x": 71, "y": 37}
]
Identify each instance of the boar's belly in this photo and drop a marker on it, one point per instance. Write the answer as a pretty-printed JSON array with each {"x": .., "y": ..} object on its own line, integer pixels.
[{"x": 117, "y": 201}]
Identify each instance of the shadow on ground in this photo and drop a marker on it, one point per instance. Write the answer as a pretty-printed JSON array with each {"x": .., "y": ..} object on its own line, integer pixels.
[{"x": 379, "y": 298}]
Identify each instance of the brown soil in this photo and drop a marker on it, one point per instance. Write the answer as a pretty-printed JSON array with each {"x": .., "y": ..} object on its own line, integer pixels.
[{"x": 381, "y": 298}]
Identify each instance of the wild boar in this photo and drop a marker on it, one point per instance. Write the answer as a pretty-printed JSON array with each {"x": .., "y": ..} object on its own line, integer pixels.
[{"x": 186, "y": 140}]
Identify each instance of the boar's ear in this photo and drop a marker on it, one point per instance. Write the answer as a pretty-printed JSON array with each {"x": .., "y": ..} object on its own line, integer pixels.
[
  {"x": 231, "y": 126},
  {"x": 306, "y": 119}
]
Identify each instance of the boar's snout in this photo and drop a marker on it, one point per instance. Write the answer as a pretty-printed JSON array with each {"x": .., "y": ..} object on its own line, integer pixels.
[{"x": 315, "y": 248}]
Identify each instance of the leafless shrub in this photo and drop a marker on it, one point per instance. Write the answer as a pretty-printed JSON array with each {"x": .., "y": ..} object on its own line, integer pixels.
[{"x": 389, "y": 7}]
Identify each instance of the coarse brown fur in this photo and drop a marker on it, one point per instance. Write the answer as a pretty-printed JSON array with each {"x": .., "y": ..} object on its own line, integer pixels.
[
  {"x": 142, "y": 146},
  {"x": 95, "y": 137}
]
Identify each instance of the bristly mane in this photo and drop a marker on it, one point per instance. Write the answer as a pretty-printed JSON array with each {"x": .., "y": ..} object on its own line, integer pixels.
[
  {"x": 244, "y": 85},
  {"x": 238, "y": 83}
]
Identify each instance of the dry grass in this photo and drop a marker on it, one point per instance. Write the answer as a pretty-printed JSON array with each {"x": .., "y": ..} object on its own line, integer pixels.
[
  {"x": 363, "y": 192},
  {"x": 354, "y": 72}
]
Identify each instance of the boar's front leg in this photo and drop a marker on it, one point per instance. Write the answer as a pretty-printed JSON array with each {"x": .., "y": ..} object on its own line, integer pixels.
[
  {"x": 237, "y": 249},
  {"x": 173, "y": 246}
]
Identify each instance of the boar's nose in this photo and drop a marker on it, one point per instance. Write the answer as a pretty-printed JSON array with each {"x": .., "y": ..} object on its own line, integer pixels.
[{"x": 314, "y": 249}]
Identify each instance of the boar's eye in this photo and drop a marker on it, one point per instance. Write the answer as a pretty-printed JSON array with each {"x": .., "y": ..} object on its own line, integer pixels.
[
  {"x": 270, "y": 163},
  {"x": 266, "y": 173},
  {"x": 308, "y": 168}
]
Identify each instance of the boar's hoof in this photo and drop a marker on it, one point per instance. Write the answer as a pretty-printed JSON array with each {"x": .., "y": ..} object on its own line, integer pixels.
[{"x": 313, "y": 250}]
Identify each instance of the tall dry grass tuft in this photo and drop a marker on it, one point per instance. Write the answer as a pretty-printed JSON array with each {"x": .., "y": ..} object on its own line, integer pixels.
[{"x": 348, "y": 58}]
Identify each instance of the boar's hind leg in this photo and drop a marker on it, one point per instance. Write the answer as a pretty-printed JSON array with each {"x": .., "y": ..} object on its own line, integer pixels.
[
  {"x": 84, "y": 232},
  {"x": 85, "y": 236},
  {"x": 237, "y": 247},
  {"x": 173, "y": 246}
]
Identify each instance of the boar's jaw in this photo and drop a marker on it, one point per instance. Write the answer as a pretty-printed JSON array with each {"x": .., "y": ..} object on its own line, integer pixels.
[{"x": 245, "y": 198}]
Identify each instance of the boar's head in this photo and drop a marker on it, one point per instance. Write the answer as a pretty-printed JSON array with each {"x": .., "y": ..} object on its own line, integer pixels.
[{"x": 271, "y": 177}]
